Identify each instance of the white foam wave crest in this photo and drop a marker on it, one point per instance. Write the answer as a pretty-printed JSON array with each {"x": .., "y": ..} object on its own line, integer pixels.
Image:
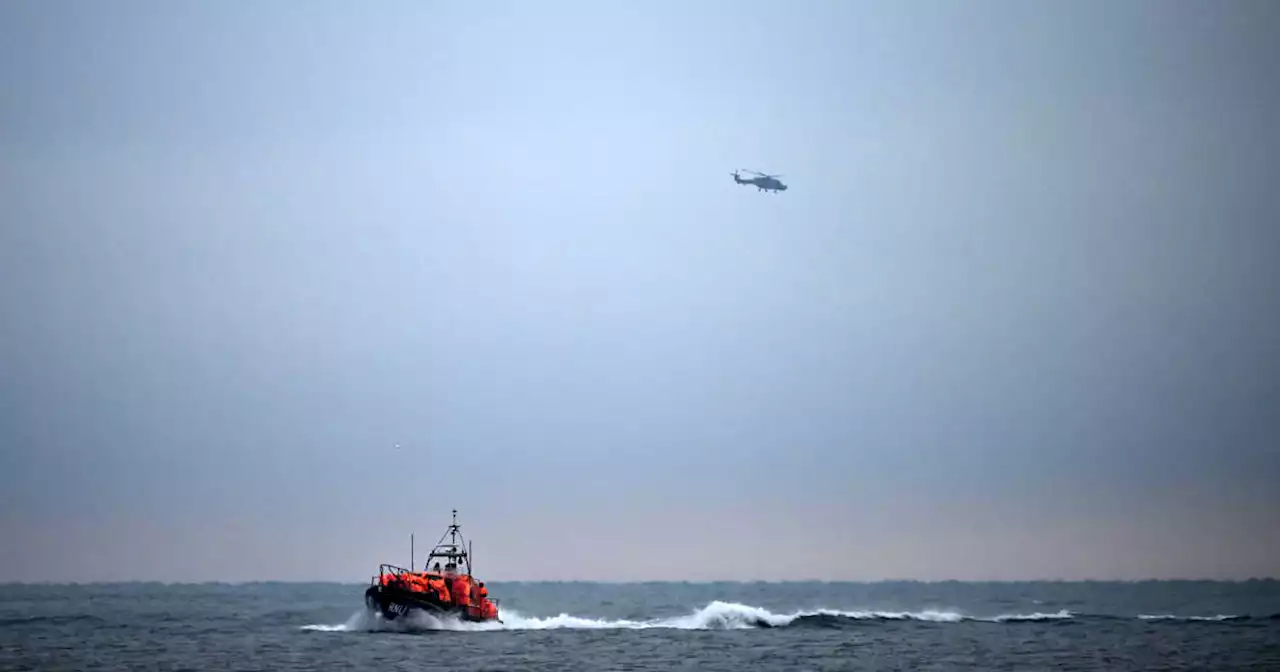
[
  {"x": 1038, "y": 616},
  {"x": 1171, "y": 617},
  {"x": 715, "y": 616},
  {"x": 366, "y": 620}
]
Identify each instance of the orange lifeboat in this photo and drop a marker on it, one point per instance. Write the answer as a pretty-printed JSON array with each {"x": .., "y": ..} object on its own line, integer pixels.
[{"x": 441, "y": 590}]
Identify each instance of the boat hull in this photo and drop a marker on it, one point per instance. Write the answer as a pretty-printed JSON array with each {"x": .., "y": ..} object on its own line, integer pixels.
[{"x": 394, "y": 603}]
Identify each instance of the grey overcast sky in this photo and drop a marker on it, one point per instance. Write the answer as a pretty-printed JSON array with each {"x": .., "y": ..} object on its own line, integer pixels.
[{"x": 1017, "y": 316}]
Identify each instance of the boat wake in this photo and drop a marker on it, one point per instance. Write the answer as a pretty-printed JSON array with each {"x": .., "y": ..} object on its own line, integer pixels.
[
  {"x": 733, "y": 616},
  {"x": 715, "y": 616}
]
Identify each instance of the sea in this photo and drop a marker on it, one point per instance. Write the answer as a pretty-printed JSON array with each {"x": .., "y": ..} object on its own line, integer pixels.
[{"x": 1146, "y": 625}]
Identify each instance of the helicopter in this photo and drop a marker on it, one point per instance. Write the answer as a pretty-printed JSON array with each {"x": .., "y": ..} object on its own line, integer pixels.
[{"x": 763, "y": 182}]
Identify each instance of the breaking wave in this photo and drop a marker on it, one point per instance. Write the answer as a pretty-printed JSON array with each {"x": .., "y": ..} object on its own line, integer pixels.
[
  {"x": 1215, "y": 619},
  {"x": 715, "y": 616}
]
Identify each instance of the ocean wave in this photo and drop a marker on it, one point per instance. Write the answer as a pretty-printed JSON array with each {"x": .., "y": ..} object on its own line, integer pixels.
[
  {"x": 61, "y": 619},
  {"x": 1216, "y": 619}
]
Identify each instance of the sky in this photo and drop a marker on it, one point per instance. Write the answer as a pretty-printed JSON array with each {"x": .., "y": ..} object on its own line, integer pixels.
[{"x": 1016, "y": 316}]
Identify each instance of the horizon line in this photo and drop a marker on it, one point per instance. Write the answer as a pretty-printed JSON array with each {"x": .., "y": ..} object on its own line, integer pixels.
[{"x": 249, "y": 582}]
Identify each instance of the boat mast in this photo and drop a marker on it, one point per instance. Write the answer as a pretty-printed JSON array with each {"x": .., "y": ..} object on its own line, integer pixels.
[
  {"x": 451, "y": 551},
  {"x": 464, "y": 552}
]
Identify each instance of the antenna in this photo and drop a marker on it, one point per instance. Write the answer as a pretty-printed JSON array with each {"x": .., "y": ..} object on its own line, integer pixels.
[{"x": 411, "y": 552}]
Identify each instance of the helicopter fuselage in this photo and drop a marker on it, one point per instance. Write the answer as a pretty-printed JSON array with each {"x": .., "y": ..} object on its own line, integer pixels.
[{"x": 762, "y": 183}]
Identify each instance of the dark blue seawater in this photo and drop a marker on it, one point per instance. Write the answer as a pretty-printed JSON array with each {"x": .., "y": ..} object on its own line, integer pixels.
[{"x": 1183, "y": 625}]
